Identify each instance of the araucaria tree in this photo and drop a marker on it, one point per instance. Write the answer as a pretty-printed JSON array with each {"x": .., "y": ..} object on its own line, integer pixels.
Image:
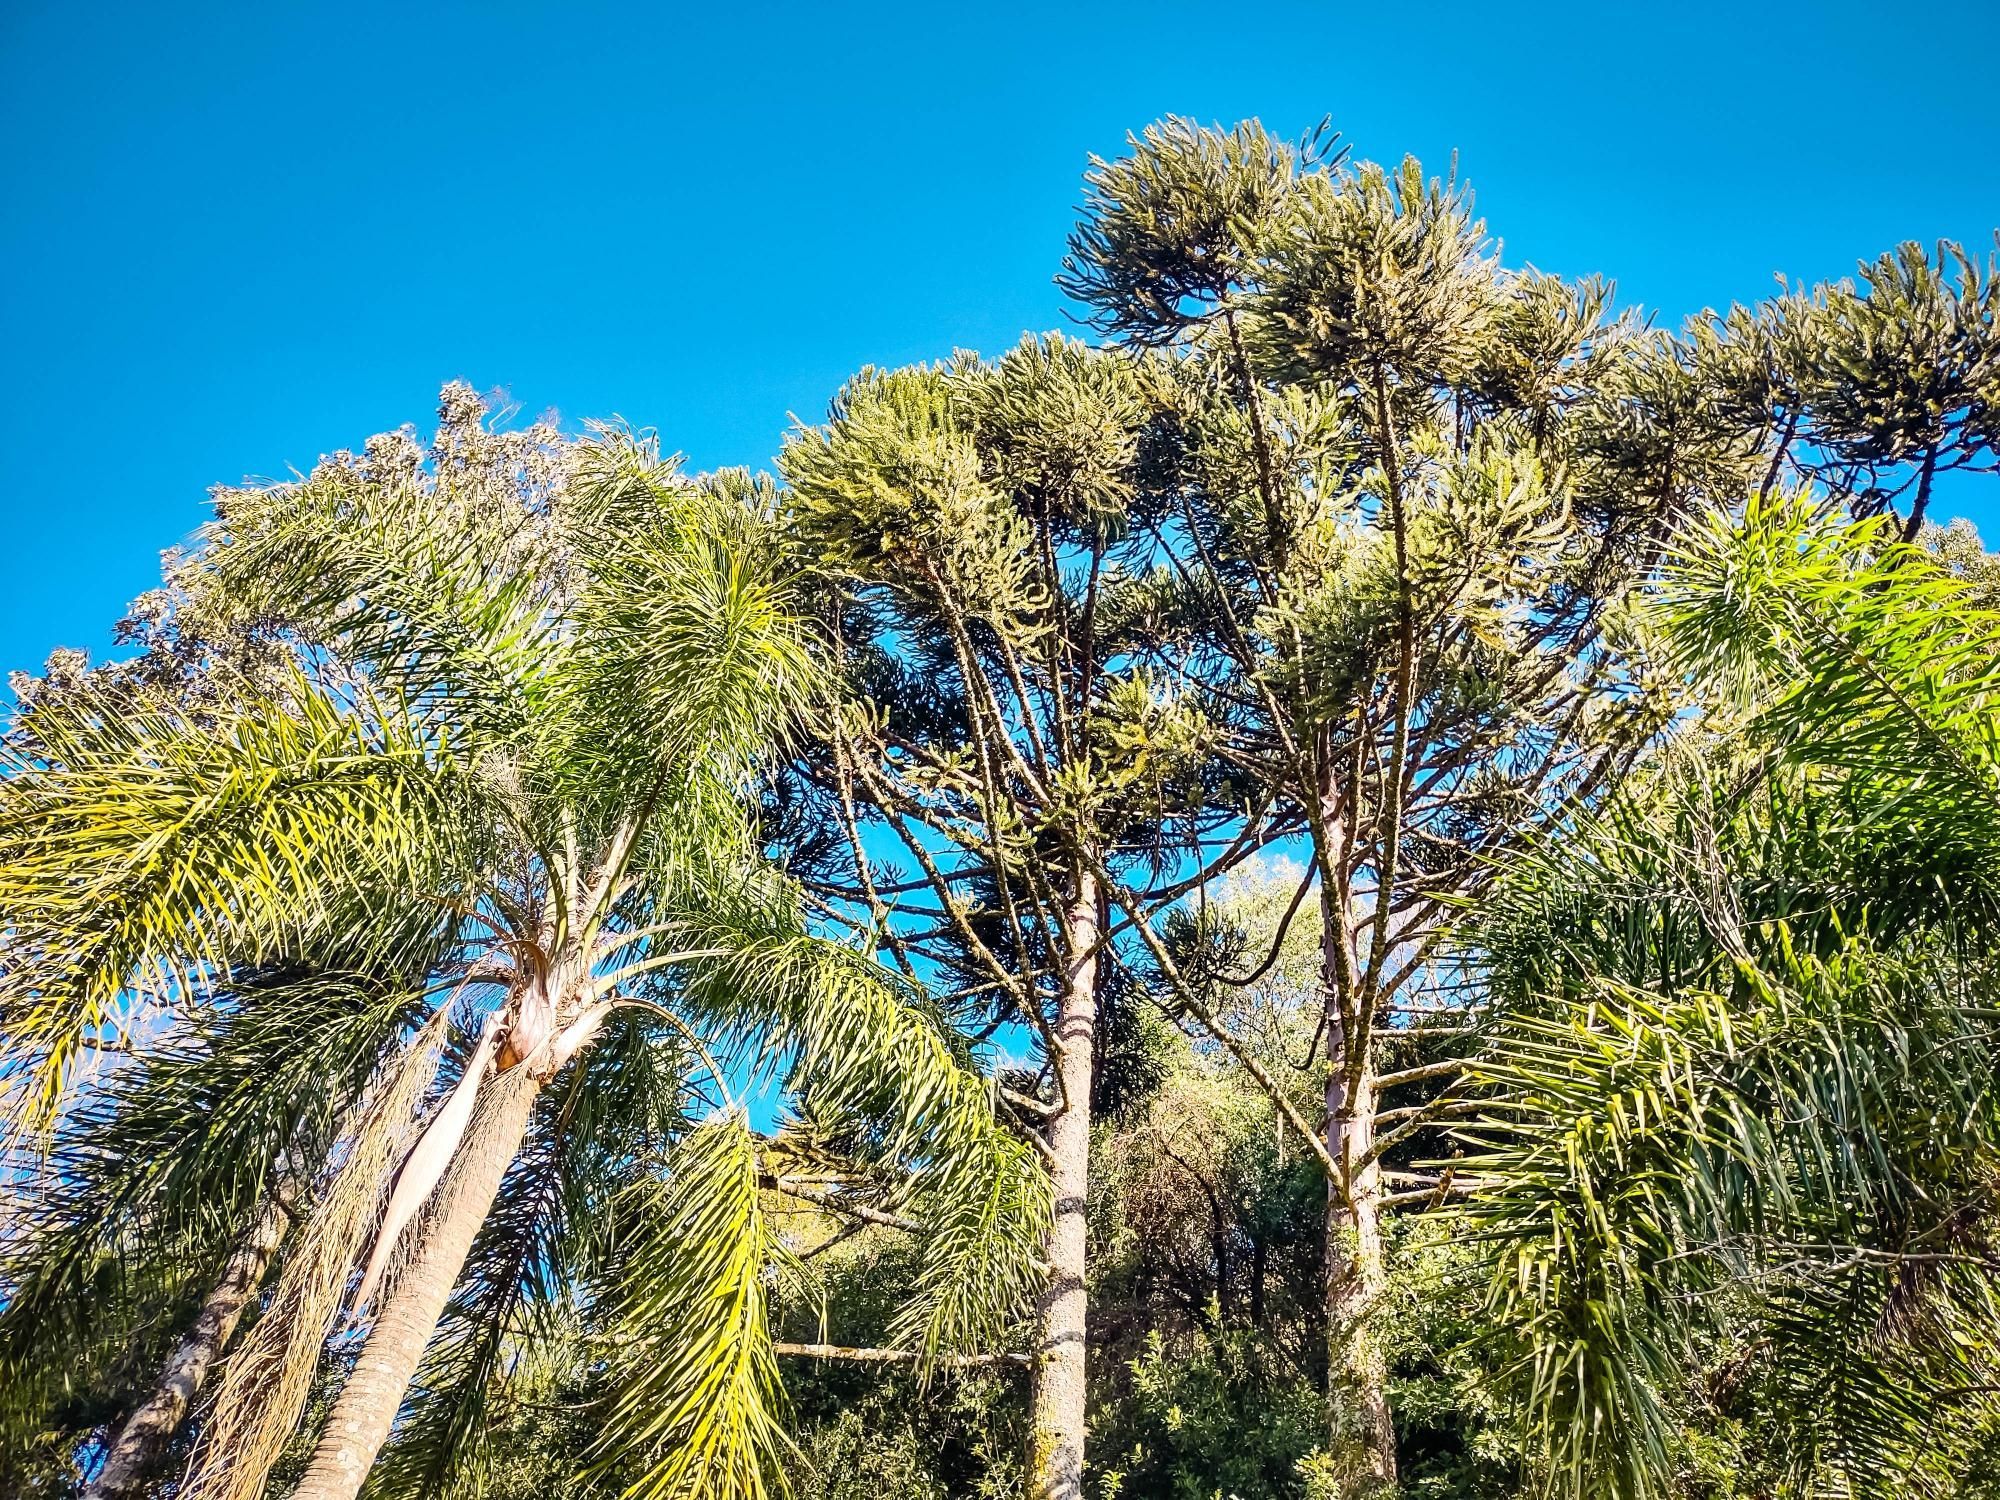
[
  {"x": 1002, "y": 754},
  {"x": 1410, "y": 486}
]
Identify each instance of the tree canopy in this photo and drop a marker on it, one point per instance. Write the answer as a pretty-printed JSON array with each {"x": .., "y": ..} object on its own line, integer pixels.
[{"x": 1373, "y": 876}]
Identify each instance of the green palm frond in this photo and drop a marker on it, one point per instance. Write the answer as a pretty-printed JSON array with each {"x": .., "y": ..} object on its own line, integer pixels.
[
  {"x": 978, "y": 1267},
  {"x": 1749, "y": 1044},
  {"x": 864, "y": 1049},
  {"x": 1590, "y": 1193},
  {"x": 155, "y": 1171},
  {"x": 1856, "y": 651},
  {"x": 139, "y": 853},
  {"x": 699, "y": 1398},
  {"x": 443, "y": 584},
  {"x": 1879, "y": 1380},
  {"x": 1826, "y": 1119},
  {"x": 687, "y": 651}
]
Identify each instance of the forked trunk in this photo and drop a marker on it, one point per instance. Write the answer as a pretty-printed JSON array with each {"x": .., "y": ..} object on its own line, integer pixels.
[
  {"x": 1055, "y": 1460},
  {"x": 1362, "y": 1427},
  {"x": 142, "y": 1442},
  {"x": 416, "y": 1299}
]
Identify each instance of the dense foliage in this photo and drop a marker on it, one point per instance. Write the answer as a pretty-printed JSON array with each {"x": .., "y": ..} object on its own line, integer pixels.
[{"x": 1384, "y": 883}]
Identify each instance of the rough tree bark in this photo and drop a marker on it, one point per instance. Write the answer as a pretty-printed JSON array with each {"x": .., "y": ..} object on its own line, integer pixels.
[
  {"x": 142, "y": 1442},
  {"x": 368, "y": 1403},
  {"x": 1055, "y": 1469},
  {"x": 1362, "y": 1428}
]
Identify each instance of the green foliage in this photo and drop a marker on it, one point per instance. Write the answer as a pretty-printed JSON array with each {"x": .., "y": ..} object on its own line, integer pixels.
[
  {"x": 1217, "y": 1415},
  {"x": 867, "y": 1430},
  {"x": 1753, "y": 1051},
  {"x": 138, "y": 849},
  {"x": 1170, "y": 229},
  {"x": 881, "y": 1438},
  {"x": 1376, "y": 276},
  {"x": 698, "y": 1383},
  {"x": 1640, "y": 740},
  {"x": 532, "y": 683}
]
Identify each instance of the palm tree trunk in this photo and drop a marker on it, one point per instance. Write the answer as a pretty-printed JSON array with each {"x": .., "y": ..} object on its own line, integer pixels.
[
  {"x": 374, "y": 1393},
  {"x": 1055, "y": 1467},
  {"x": 1362, "y": 1426},
  {"x": 142, "y": 1442}
]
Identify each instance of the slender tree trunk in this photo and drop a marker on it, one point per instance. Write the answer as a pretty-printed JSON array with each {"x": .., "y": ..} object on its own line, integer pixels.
[
  {"x": 1055, "y": 1469},
  {"x": 1361, "y": 1429},
  {"x": 1362, "y": 1426},
  {"x": 409, "y": 1314},
  {"x": 142, "y": 1442}
]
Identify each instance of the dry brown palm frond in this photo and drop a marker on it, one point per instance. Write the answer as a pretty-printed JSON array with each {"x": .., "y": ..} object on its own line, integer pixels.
[{"x": 265, "y": 1385}]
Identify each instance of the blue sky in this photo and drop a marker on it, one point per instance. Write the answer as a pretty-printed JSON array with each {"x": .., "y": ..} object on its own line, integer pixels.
[{"x": 236, "y": 237}]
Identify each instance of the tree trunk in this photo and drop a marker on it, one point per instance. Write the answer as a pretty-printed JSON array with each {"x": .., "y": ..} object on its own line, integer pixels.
[
  {"x": 1055, "y": 1468},
  {"x": 142, "y": 1442},
  {"x": 1361, "y": 1430},
  {"x": 1258, "y": 1257},
  {"x": 1362, "y": 1427},
  {"x": 1915, "y": 525},
  {"x": 409, "y": 1314}
]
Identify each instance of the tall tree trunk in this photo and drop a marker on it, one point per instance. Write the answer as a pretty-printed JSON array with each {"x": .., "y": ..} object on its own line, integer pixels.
[
  {"x": 409, "y": 1316},
  {"x": 1055, "y": 1468},
  {"x": 1362, "y": 1427},
  {"x": 142, "y": 1442}
]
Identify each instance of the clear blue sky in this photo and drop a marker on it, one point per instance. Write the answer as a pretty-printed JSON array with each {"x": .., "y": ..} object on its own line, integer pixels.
[{"x": 233, "y": 238}]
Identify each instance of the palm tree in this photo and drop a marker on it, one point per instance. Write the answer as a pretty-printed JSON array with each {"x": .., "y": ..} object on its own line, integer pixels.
[
  {"x": 531, "y": 682},
  {"x": 1747, "y": 1070},
  {"x": 165, "y": 1198}
]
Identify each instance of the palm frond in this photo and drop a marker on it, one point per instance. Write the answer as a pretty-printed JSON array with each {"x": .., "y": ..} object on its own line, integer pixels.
[
  {"x": 151, "y": 1175},
  {"x": 443, "y": 582},
  {"x": 1825, "y": 1120},
  {"x": 140, "y": 853},
  {"x": 699, "y": 1398},
  {"x": 688, "y": 652},
  {"x": 1854, "y": 652},
  {"x": 864, "y": 1048}
]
